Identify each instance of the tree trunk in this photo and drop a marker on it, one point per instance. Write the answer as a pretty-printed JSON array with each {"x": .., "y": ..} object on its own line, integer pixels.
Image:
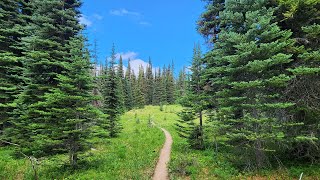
[
  {"x": 201, "y": 131},
  {"x": 73, "y": 158},
  {"x": 259, "y": 154},
  {"x": 200, "y": 117}
]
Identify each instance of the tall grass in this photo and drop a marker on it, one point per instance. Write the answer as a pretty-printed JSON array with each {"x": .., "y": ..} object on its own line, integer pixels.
[{"x": 134, "y": 154}]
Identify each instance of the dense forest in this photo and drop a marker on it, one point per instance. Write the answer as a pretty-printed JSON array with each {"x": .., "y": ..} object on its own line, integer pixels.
[{"x": 247, "y": 106}]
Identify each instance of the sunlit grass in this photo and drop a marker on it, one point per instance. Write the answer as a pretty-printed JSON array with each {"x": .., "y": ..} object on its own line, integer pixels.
[{"x": 134, "y": 154}]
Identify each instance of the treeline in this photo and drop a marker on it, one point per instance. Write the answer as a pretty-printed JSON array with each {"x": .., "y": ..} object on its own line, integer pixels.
[
  {"x": 259, "y": 83},
  {"x": 148, "y": 86}
]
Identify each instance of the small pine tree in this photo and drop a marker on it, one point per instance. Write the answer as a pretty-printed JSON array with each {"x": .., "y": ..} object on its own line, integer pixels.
[
  {"x": 120, "y": 86},
  {"x": 195, "y": 101},
  {"x": 112, "y": 103},
  {"x": 169, "y": 85},
  {"x": 139, "y": 89},
  {"x": 149, "y": 83},
  {"x": 128, "y": 89}
]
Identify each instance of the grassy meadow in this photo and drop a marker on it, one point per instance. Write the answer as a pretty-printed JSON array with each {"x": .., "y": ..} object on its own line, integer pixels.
[{"x": 134, "y": 154}]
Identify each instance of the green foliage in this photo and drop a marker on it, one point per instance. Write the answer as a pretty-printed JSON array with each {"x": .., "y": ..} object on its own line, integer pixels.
[
  {"x": 194, "y": 101},
  {"x": 46, "y": 61},
  {"x": 134, "y": 154},
  {"x": 139, "y": 91},
  {"x": 149, "y": 83},
  {"x": 246, "y": 76},
  {"x": 13, "y": 24},
  {"x": 130, "y": 156},
  {"x": 128, "y": 89},
  {"x": 112, "y": 104},
  {"x": 71, "y": 103}
]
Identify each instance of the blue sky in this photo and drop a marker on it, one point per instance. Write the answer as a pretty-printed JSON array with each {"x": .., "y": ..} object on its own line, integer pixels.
[{"x": 164, "y": 30}]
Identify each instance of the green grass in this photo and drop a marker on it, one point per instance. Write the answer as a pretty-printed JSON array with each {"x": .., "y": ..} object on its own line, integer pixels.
[{"x": 134, "y": 154}]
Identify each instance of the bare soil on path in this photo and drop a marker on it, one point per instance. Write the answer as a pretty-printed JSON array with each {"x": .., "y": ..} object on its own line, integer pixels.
[{"x": 161, "y": 171}]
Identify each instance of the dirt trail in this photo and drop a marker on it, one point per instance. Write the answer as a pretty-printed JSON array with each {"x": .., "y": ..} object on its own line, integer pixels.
[{"x": 161, "y": 171}]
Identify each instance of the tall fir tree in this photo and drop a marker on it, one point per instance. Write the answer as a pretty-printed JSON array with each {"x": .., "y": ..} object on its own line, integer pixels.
[
  {"x": 139, "y": 89},
  {"x": 53, "y": 24},
  {"x": 149, "y": 83},
  {"x": 128, "y": 88},
  {"x": 156, "y": 90},
  {"x": 169, "y": 85},
  {"x": 247, "y": 73},
  {"x": 163, "y": 86},
  {"x": 70, "y": 103},
  {"x": 120, "y": 77},
  {"x": 181, "y": 84},
  {"x": 112, "y": 103},
  {"x": 301, "y": 17},
  {"x": 194, "y": 102}
]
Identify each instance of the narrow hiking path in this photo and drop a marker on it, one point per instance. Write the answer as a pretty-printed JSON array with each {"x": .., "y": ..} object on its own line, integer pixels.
[{"x": 161, "y": 170}]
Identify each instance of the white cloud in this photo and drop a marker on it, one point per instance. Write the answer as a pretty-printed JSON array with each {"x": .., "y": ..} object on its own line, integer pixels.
[
  {"x": 123, "y": 12},
  {"x": 136, "y": 63},
  {"x": 84, "y": 20},
  {"x": 127, "y": 55},
  {"x": 97, "y": 16},
  {"x": 145, "y": 23}
]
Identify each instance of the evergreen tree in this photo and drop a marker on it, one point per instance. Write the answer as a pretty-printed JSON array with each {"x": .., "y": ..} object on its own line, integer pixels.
[
  {"x": 15, "y": 14},
  {"x": 96, "y": 74},
  {"x": 70, "y": 102},
  {"x": 209, "y": 22},
  {"x": 112, "y": 103},
  {"x": 247, "y": 73},
  {"x": 181, "y": 84},
  {"x": 195, "y": 103},
  {"x": 163, "y": 86},
  {"x": 139, "y": 89},
  {"x": 169, "y": 85},
  {"x": 302, "y": 19},
  {"x": 128, "y": 89},
  {"x": 149, "y": 83},
  {"x": 120, "y": 77},
  {"x": 53, "y": 24},
  {"x": 156, "y": 90}
]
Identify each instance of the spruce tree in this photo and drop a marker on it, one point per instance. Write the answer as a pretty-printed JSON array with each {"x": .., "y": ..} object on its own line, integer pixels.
[
  {"x": 70, "y": 103},
  {"x": 247, "y": 73},
  {"x": 163, "y": 86},
  {"x": 169, "y": 85},
  {"x": 128, "y": 89},
  {"x": 120, "y": 78},
  {"x": 112, "y": 103},
  {"x": 195, "y": 103},
  {"x": 149, "y": 83},
  {"x": 139, "y": 89},
  {"x": 156, "y": 97},
  {"x": 53, "y": 24},
  {"x": 302, "y": 19},
  {"x": 209, "y": 22},
  {"x": 181, "y": 84}
]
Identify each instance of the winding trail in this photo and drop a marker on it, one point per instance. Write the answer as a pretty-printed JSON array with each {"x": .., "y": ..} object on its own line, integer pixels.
[{"x": 161, "y": 171}]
